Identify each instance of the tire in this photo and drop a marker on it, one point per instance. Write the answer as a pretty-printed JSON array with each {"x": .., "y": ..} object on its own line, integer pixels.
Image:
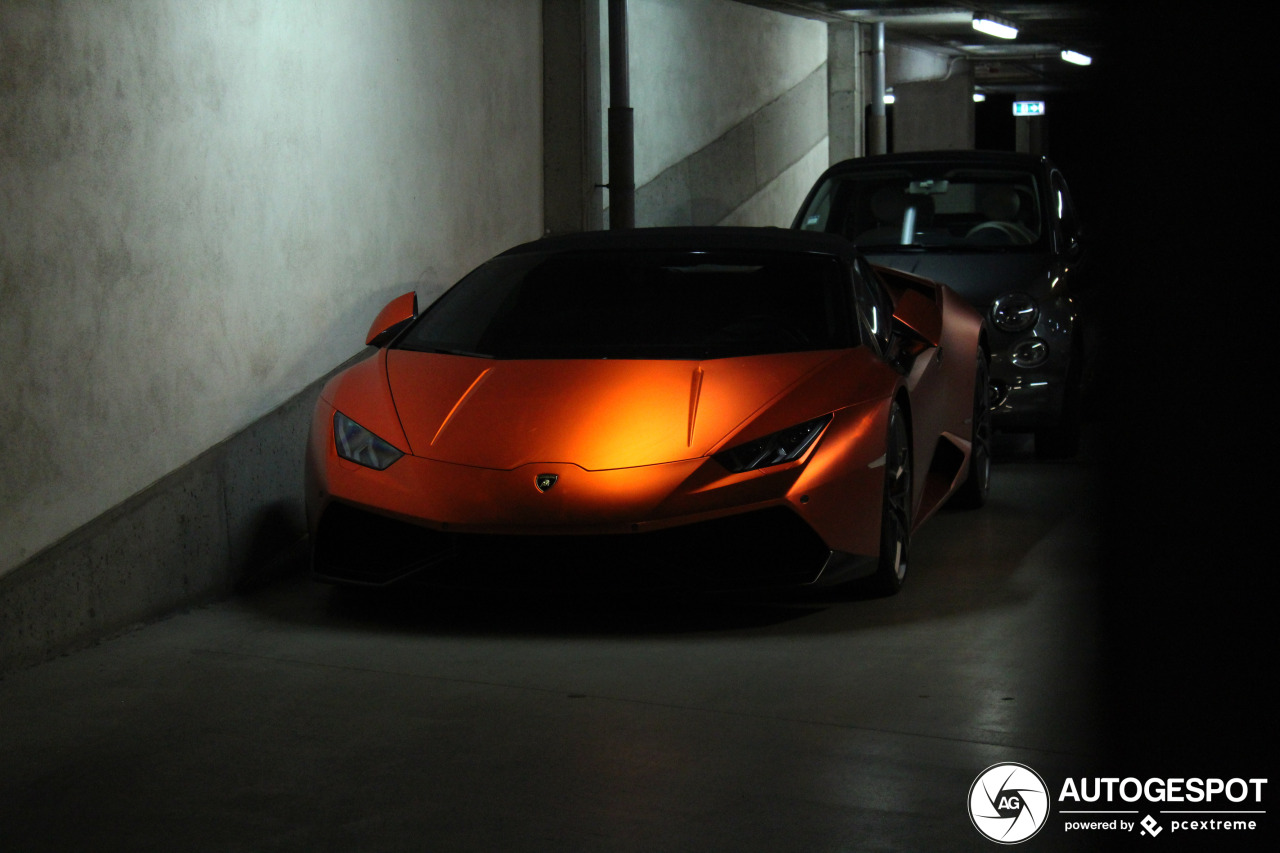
[
  {"x": 977, "y": 485},
  {"x": 895, "y": 507}
]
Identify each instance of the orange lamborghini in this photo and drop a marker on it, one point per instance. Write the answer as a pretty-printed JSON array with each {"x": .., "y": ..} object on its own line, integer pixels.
[{"x": 654, "y": 408}]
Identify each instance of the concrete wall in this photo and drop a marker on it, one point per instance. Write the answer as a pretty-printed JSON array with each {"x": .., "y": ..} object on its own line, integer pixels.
[
  {"x": 572, "y": 133},
  {"x": 849, "y": 76},
  {"x": 730, "y": 111},
  {"x": 204, "y": 203},
  {"x": 229, "y": 519},
  {"x": 202, "y": 206}
]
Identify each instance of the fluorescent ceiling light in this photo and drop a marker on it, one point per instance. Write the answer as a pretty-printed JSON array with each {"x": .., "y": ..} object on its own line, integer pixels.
[
  {"x": 1076, "y": 58},
  {"x": 888, "y": 97},
  {"x": 978, "y": 97},
  {"x": 992, "y": 27}
]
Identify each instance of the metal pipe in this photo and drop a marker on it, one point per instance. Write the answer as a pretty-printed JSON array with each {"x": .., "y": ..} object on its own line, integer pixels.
[
  {"x": 622, "y": 166},
  {"x": 877, "y": 128}
]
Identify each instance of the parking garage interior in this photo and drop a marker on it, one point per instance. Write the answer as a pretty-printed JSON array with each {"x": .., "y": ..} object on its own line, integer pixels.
[{"x": 202, "y": 208}]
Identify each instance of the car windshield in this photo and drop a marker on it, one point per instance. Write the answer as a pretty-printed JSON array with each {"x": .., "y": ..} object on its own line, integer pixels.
[
  {"x": 640, "y": 304},
  {"x": 929, "y": 206}
]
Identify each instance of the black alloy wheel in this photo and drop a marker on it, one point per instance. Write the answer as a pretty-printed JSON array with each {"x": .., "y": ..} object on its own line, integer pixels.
[{"x": 895, "y": 511}]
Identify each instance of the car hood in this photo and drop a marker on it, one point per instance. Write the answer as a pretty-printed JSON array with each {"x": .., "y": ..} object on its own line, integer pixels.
[
  {"x": 979, "y": 278},
  {"x": 597, "y": 414}
]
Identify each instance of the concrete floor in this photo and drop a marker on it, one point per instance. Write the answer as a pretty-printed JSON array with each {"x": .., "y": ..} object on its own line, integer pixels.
[{"x": 298, "y": 719}]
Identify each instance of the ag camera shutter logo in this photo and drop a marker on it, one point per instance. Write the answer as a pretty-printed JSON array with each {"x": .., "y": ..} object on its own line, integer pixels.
[{"x": 1008, "y": 803}]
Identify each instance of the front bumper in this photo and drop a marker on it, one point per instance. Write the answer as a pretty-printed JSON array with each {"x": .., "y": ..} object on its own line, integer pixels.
[
  {"x": 686, "y": 523},
  {"x": 763, "y": 548},
  {"x": 1028, "y": 400}
]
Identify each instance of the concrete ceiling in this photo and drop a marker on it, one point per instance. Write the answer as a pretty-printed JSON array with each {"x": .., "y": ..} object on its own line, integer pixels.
[{"x": 1029, "y": 63}]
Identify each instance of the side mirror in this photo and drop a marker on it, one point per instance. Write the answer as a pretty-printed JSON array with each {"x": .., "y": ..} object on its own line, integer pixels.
[
  {"x": 919, "y": 314},
  {"x": 392, "y": 319}
]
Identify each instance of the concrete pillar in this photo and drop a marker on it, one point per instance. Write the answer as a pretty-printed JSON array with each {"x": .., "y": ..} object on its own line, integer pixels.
[
  {"x": 846, "y": 94},
  {"x": 572, "y": 136},
  {"x": 935, "y": 114}
]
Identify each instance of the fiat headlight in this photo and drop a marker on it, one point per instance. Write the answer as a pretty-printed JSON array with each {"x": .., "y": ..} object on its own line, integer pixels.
[
  {"x": 1032, "y": 352},
  {"x": 358, "y": 445},
  {"x": 1014, "y": 312}
]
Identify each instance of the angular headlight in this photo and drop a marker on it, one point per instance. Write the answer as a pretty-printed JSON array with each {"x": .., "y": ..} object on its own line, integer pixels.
[
  {"x": 1014, "y": 312},
  {"x": 782, "y": 446},
  {"x": 360, "y": 446}
]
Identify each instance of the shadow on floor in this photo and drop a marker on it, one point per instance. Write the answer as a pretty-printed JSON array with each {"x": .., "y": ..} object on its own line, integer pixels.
[{"x": 963, "y": 562}]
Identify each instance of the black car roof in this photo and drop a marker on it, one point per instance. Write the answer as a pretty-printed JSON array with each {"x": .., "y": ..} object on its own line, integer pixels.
[
  {"x": 962, "y": 156},
  {"x": 692, "y": 238}
]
